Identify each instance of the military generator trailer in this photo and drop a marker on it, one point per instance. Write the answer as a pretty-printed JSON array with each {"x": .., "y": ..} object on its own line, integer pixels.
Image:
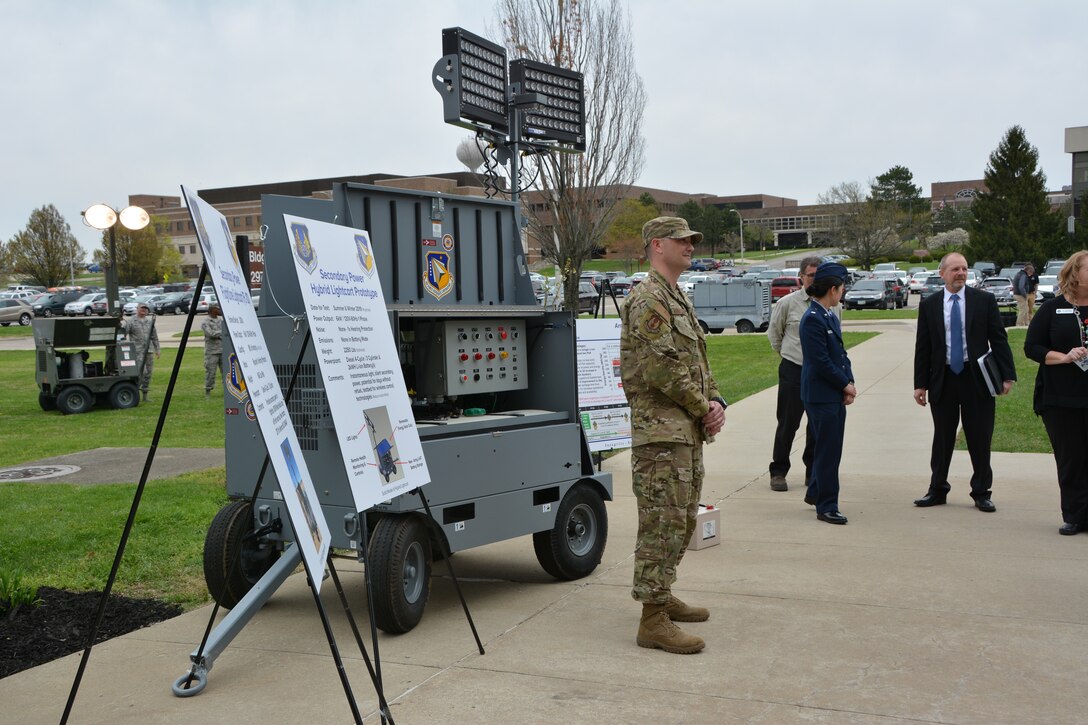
[
  {"x": 494, "y": 392},
  {"x": 79, "y": 362},
  {"x": 741, "y": 303}
]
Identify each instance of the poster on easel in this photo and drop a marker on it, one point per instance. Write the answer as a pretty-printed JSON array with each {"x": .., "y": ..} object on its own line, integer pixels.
[
  {"x": 359, "y": 360},
  {"x": 255, "y": 367},
  {"x": 602, "y": 405}
]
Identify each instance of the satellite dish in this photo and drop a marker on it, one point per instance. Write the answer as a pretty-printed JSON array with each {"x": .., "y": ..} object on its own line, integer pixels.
[{"x": 469, "y": 153}]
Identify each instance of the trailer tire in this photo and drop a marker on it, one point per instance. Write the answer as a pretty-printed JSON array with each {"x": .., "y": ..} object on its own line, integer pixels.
[
  {"x": 573, "y": 547},
  {"x": 400, "y": 557},
  {"x": 233, "y": 564},
  {"x": 124, "y": 395},
  {"x": 47, "y": 402},
  {"x": 704, "y": 327},
  {"x": 745, "y": 326},
  {"x": 74, "y": 399}
]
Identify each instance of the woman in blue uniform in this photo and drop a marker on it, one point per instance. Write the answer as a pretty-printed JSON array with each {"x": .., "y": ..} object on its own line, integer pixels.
[{"x": 827, "y": 387}]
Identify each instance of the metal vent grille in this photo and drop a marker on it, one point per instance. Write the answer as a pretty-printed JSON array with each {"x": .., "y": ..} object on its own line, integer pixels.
[
  {"x": 308, "y": 407},
  {"x": 41, "y": 361}
]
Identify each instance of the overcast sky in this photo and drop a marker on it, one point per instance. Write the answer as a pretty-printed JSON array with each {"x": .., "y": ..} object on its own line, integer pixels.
[{"x": 108, "y": 98}]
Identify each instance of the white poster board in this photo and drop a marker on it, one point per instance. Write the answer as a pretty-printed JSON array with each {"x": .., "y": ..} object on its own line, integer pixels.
[
  {"x": 359, "y": 360},
  {"x": 602, "y": 405},
  {"x": 273, "y": 419}
]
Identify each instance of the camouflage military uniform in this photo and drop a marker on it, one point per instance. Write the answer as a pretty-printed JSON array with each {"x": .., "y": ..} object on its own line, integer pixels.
[
  {"x": 212, "y": 327},
  {"x": 669, "y": 386},
  {"x": 143, "y": 335}
]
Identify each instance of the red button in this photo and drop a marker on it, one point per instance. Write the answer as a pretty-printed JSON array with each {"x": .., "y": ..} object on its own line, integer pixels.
[
  {"x": 490, "y": 356},
  {"x": 478, "y": 356},
  {"x": 464, "y": 356},
  {"x": 503, "y": 334}
]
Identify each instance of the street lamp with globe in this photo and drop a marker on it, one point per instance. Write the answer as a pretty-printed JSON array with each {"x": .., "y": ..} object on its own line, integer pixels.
[{"x": 102, "y": 216}]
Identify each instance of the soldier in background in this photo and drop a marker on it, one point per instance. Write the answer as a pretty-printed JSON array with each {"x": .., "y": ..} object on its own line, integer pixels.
[
  {"x": 142, "y": 333},
  {"x": 675, "y": 407},
  {"x": 212, "y": 327}
]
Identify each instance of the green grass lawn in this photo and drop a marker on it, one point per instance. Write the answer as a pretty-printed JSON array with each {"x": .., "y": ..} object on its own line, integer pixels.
[
  {"x": 1017, "y": 429},
  {"x": 17, "y": 331},
  {"x": 31, "y": 433}
]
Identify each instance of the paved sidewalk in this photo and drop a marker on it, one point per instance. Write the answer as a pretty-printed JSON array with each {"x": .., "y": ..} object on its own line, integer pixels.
[{"x": 941, "y": 615}]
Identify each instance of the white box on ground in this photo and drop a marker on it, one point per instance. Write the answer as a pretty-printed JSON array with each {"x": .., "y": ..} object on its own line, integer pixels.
[{"x": 708, "y": 524}]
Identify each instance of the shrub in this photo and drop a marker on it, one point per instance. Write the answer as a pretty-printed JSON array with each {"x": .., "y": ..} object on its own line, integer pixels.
[{"x": 14, "y": 593}]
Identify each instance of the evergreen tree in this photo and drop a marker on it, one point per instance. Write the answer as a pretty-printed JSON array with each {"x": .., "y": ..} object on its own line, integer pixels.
[{"x": 1012, "y": 220}]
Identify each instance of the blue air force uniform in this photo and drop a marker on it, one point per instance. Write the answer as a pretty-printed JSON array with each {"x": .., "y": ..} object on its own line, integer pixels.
[{"x": 824, "y": 373}]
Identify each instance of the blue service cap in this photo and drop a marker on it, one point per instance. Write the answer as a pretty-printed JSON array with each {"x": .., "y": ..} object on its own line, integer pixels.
[{"x": 831, "y": 269}]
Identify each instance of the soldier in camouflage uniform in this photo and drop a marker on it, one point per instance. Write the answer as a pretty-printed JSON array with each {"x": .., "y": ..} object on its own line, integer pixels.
[
  {"x": 212, "y": 328},
  {"x": 142, "y": 333},
  {"x": 675, "y": 407}
]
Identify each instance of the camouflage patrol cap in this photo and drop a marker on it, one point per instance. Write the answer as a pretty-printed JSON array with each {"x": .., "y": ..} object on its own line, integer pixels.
[{"x": 669, "y": 227}]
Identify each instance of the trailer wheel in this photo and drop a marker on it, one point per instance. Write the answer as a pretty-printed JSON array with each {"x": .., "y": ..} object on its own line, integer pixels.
[
  {"x": 234, "y": 561},
  {"x": 573, "y": 547},
  {"x": 705, "y": 327},
  {"x": 400, "y": 554},
  {"x": 74, "y": 399},
  {"x": 745, "y": 326},
  {"x": 47, "y": 402},
  {"x": 124, "y": 395}
]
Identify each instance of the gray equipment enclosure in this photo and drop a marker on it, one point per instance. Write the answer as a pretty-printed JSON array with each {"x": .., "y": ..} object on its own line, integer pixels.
[
  {"x": 69, "y": 380},
  {"x": 471, "y": 336},
  {"x": 741, "y": 303}
]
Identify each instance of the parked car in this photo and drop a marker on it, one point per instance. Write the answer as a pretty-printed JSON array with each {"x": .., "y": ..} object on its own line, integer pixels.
[
  {"x": 130, "y": 306},
  {"x": 53, "y": 303},
  {"x": 638, "y": 277},
  {"x": 206, "y": 300},
  {"x": 1053, "y": 266},
  {"x": 918, "y": 281},
  {"x": 101, "y": 308},
  {"x": 175, "y": 302},
  {"x": 704, "y": 264},
  {"x": 999, "y": 287},
  {"x": 986, "y": 269},
  {"x": 782, "y": 286},
  {"x": 84, "y": 305},
  {"x": 1048, "y": 285},
  {"x": 933, "y": 284},
  {"x": 621, "y": 285},
  {"x": 870, "y": 293},
  {"x": 22, "y": 294},
  {"x": 13, "y": 310},
  {"x": 974, "y": 278},
  {"x": 594, "y": 278}
]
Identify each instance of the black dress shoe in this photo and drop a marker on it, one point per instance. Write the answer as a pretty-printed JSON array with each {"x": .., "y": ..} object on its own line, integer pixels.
[
  {"x": 985, "y": 504},
  {"x": 932, "y": 499},
  {"x": 1069, "y": 529},
  {"x": 832, "y": 517}
]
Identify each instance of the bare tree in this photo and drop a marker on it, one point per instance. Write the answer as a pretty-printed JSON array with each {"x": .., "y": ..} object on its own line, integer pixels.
[
  {"x": 580, "y": 191},
  {"x": 862, "y": 228},
  {"x": 46, "y": 250}
]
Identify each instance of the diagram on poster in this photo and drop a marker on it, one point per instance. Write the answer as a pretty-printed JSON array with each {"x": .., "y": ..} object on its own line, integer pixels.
[
  {"x": 602, "y": 405},
  {"x": 257, "y": 382},
  {"x": 359, "y": 360}
]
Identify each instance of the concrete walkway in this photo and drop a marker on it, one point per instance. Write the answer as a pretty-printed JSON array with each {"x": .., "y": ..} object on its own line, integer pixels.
[{"x": 942, "y": 615}]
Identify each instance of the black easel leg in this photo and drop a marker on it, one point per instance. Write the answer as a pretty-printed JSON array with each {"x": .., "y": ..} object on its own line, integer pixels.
[
  {"x": 449, "y": 566},
  {"x": 92, "y": 635},
  {"x": 382, "y": 704},
  {"x": 364, "y": 555}
]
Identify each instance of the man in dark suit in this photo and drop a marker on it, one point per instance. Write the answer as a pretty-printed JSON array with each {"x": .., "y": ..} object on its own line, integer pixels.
[{"x": 955, "y": 329}]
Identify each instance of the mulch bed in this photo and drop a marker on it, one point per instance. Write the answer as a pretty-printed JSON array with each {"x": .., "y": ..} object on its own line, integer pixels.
[{"x": 60, "y": 626}]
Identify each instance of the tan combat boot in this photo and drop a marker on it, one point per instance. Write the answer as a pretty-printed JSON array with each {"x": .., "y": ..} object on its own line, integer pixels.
[
  {"x": 680, "y": 612},
  {"x": 656, "y": 631}
]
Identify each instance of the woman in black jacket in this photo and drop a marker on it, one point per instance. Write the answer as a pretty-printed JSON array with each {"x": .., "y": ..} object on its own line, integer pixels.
[{"x": 1057, "y": 339}]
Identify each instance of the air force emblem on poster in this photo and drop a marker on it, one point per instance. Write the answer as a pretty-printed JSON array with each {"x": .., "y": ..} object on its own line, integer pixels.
[
  {"x": 235, "y": 383},
  {"x": 438, "y": 279},
  {"x": 364, "y": 254},
  {"x": 300, "y": 242}
]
